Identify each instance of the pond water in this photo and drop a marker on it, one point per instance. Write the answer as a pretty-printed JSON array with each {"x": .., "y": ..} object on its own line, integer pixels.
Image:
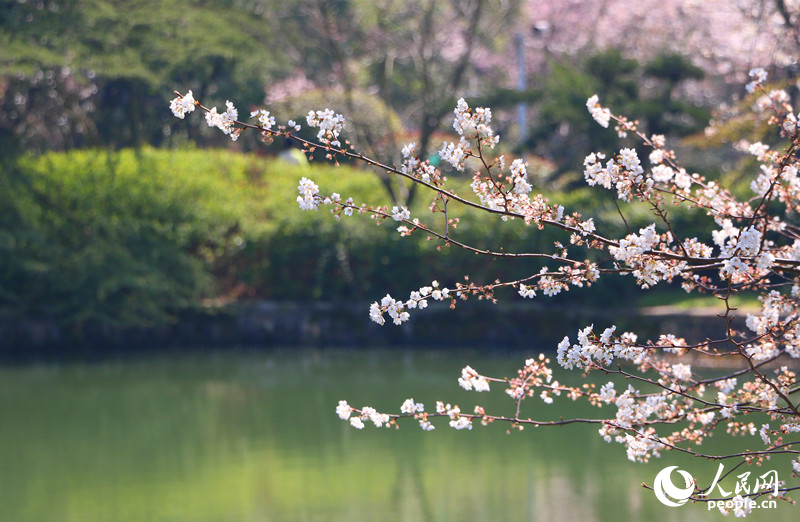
[{"x": 252, "y": 436}]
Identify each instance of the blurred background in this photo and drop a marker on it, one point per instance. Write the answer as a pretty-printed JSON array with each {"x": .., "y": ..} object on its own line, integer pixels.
[
  {"x": 126, "y": 234},
  {"x": 116, "y": 214}
]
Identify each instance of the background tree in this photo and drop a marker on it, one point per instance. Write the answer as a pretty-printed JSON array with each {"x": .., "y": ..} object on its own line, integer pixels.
[
  {"x": 96, "y": 72},
  {"x": 561, "y": 130},
  {"x": 417, "y": 57}
]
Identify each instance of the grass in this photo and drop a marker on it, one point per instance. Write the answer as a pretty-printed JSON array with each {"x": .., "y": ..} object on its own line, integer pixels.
[{"x": 683, "y": 301}]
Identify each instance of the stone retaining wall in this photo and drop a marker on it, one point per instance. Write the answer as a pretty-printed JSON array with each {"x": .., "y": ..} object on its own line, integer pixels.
[{"x": 474, "y": 324}]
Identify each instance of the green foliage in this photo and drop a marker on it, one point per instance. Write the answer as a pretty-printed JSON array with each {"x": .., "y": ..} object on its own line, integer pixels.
[
  {"x": 111, "y": 238},
  {"x": 673, "y": 68},
  {"x": 134, "y": 238},
  {"x": 680, "y": 300},
  {"x": 564, "y": 132},
  {"x": 301, "y": 255},
  {"x": 108, "y": 67}
]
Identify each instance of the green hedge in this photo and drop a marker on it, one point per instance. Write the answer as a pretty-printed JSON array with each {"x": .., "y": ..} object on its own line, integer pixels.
[
  {"x": 130, "y": 238},
  {"x": 115, "y": 238}
]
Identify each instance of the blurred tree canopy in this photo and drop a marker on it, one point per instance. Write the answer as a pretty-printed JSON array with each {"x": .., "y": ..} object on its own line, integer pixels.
[
  {"x": 130, "y": 238},
  {"x": 98, "y": 239},
  {"x": 562, "y": 129},
  {"x": 418, "y": 56},
  {"x": 98, "y": 72}
]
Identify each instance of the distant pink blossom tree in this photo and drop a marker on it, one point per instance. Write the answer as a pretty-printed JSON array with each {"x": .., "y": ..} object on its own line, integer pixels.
[{"x": 725, "y": 37}]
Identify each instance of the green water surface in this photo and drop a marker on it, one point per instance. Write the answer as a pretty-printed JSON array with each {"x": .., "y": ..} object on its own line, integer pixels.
[{"x": 251, "y": 436}]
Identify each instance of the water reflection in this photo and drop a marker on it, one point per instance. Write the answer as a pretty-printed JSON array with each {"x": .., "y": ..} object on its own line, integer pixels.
[{"x": 253, "y": 436}]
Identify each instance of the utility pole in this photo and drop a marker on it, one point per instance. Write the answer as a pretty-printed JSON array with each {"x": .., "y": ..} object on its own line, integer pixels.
[{"x": 522, "y": 110}]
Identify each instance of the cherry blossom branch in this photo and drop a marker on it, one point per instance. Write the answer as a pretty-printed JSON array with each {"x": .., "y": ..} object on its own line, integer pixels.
[{"x": 755, "y": 246}]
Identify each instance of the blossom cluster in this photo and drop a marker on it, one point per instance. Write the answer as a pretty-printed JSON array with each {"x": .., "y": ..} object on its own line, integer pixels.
[
  {"x": 759, "y": 76},
  {"x": 367, "y": 413},
  {"x": 310, "y": 199},
  {"x": 455, "y": 153},
  {"x": 636, "y": 251},
  {"x": 421, "y": 170},
  {"x": 592, "y": 352},
  {"x": 474, "y": 124},
  {"x": 471, "y": 380},
  {"x": 182, "y": 105},
  {"x": 398, "y": 310},
  {"x": 519, "y": 176},
  {"x": 601, "y": 115},
  {"x": 224, "y": 121},
  {"x": 309, "y": 194},
  {"x": 265, "y": 119},
  {"x": 330, "y": 125},
  {"x": 624, "y": 173}
]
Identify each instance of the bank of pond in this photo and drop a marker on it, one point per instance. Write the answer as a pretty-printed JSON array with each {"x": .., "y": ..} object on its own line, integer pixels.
[{"x": 268, "y": 324}]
